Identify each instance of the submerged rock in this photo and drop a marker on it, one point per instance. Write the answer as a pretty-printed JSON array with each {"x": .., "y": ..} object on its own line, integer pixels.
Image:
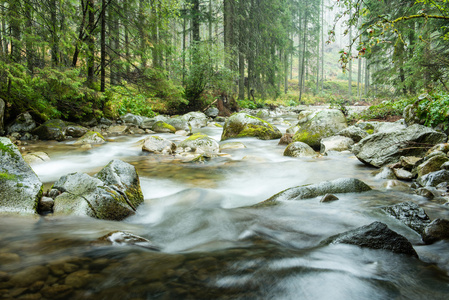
[
  {"x": 36, "y": 157},
  {"x": 386, "y": 148},
  {"x": 342, "y": 185},
  {"x": 113, "y": 194},
  {"x": 299, "y": 149},
  {"x": 319, "y": 125},
  {"x": 122, "y": 238},
  {"x": 20, "y": 188},
  {"x": 376, "y": 235},
  {"x": 245, "y": 125},
  {"x": 437, "y": 230},
  {"x": 409, "y": 214}
]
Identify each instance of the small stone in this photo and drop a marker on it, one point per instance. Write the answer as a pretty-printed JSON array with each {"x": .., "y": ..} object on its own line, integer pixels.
[
  {"x": 30, "y": 275},
  {"x": 4, "y": 276},
  {"x": 425, "y": 192},
  {"x": 437, "y": 230},
  {"x": 9, "y": 258},
  {"x": 70, "y": 268},
  {"x": 77, "y": 279},
  {"x": 329, "y": 198},
  {"x": 403, "y": 174},
  {"x": 46, "y": 204},
  {"x": 37, "y": 286},
  {"x": 57, "y": 291},
  {"x": 409, "y": 162}
]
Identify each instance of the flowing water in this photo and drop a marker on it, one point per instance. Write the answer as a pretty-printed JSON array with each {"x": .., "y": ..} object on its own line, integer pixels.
[{"x": 213, "y": 245}]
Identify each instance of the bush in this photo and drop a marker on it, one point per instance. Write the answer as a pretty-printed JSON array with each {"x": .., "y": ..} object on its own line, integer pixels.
[
  {"x": 122, "y": 100},
  {"x": 434, "y": 110},
  {"x": 385, "y": 109}
]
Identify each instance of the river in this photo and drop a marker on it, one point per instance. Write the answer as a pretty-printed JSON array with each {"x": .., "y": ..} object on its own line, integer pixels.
[{"x": 213, "y": 246}]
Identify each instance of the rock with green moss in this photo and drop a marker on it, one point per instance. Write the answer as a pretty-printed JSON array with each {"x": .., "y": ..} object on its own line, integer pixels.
[
  {"x": 179, "y": 124},
  {"x": 156, "y": 144},
  {"x": 337, "y": 186},
  {"x": 319, "y": 125},
  {"x": 431, "y": 164},
  {"x": 196, "y": 119},
  {"x": 20, "y": 188},
  {"x": 75, "y": 131},
  {"x": 51, "y": 130},
  {"x": 162, "y": 127},
  {"x": 244, "y": 125},
  {"x": 199, "y": 143},
  {"x": 299, "y": 149},
  {"x": 112, "y": 194},
  {"x": 91, "y": 137}
]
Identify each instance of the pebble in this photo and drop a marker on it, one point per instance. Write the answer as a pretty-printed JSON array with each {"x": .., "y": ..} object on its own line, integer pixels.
[{"x": 30, "y": 275}]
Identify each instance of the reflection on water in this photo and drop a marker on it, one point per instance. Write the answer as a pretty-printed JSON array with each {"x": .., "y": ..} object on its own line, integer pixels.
[{"x": 213, "y": 245}]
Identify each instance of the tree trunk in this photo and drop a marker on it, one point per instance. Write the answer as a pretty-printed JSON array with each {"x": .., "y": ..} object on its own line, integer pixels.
[
  {"x": 30, "y": 55},
  {"x": 241, "y": 51},
  {"x": 14, "y": 9},
  {"x": 90, "y": 44},
  {"x": 303, "y": 66},
  {"x": 54, "y": 33},
  {"x": 103, "y": 47},
  {"x": 350, "y": 54}
]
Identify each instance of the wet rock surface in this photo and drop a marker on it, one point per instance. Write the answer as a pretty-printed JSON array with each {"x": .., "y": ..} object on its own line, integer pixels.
[
  {"x": 376, "y": 235},
  {"x": 410, "y": 214},
  {"x": 245, "y": 125}
]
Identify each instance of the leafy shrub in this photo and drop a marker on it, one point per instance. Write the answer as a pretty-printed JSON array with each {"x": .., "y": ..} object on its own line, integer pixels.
[
  {"x": 434, "y": 110},
  {"x": 123, "y": 100},
  {"x": 385, "y": 109}
]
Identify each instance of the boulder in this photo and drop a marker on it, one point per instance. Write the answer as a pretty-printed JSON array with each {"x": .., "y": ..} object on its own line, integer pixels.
[
  {"x": 2, "y": 116},
  {"x": 179, "y": 124},
  {"x": 432, "y": 164},
  {"x": 434, "y": 178},
  {"x": 409, "y": 214},
  {"x": 162, "y": 127},
  {"x": 342, "y": 185},
  {"x": 91, "y": 137},
  {"x": 148, "y": 123},
  {"x": 212, "y": 112},
  {"x": 409, "y": 162},
  {"x": 386, "y": 148},
  {"x": 376, "y": 235},
  {"x": 286, "y": 139},
  {"x": 132, "y": 119},
  {"x": 354, "y": 132},
  {"x": 117, "y": 130},
  {"x": 23, "y": 123},
  {"x": 75, "y": 131},
  {"x": 322, "y": 124},
  {"x": 196, "y": 119},
  {"x": 299, "y": 149},
  {"x": 156, "y": 144},
  {"x": 51, "y": 130},
  {"x": 437, "y": 230},
  {"x": 199, "y": 143},
  {"x": 305, "y": 116},
  {"x": 439, "y": 148},
  {"x": 112, "y": 194},
  {"x": 20, "y": 188},
  {"x": 336, "y": 143},
  {"x": 36, "y": 157},
  {"x": 244, "y": 125}
]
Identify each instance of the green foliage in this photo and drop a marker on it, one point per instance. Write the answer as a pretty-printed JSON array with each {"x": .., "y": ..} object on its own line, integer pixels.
[
  {"x": 434, "y": 109},
  {"x": 247, "y": 104},
  {"x": 339, "y": 103},
  {"x": 122, "y": 101},
  {"x": 385, "y": 109}
]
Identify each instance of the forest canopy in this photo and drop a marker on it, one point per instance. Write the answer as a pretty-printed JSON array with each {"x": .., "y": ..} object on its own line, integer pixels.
[{"x": 78, "y": 59}]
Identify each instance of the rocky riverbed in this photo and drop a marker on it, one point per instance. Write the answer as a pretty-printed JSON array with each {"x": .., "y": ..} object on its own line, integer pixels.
[{"x": 219, "y": 208}]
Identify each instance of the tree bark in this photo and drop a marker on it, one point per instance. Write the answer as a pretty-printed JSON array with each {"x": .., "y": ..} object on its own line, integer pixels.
[
  {"x": 91, "y": 44},
  {"x": 103, "y": 47}
]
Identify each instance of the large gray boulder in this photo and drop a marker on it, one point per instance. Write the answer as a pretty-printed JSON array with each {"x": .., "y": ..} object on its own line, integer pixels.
[
  {"x": 376, "y": 235},
  {"x": 20, "y": 188},
  {"x": 342, "y": 185},
  {"x": 299, "y": 149},
  {"x": 381, "y": 149},
  {"x": 320, "y": 124},
  {"x": 132, "y": 119},
  {"x": 179, "y": 124},
  {"x": 22, "y": 124},
  {"x": 336, "y": 143},
  {"x": 196, "y": 119},
  {"x": 112, "y": 194},
  {"x": 51, "y": 130},
  {"x": 244, "y": 125},
  {"x": 2, "y": 116}
]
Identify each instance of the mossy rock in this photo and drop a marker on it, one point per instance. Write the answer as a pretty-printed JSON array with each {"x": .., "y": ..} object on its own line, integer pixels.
[
  {"x": 91, "y": 137},
  {"x": 51, "y": 130},
  {"x": 321, "y": 124},
  {"x": 200, "y": 143},
  {"x": 244, "y": 125},
  {"x": 299, "y": 149},
  {"x": 20, "y": 188},
  {"x": 162, "y": 127}
]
